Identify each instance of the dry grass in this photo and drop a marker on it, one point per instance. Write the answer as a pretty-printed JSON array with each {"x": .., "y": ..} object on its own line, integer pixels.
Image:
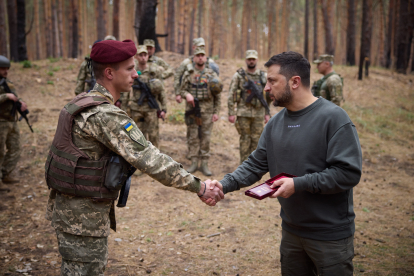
[{"x": 166, "y": 230}]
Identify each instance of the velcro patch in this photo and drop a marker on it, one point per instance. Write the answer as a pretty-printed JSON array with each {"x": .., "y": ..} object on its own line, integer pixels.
[{"x": 135, "y": 134}]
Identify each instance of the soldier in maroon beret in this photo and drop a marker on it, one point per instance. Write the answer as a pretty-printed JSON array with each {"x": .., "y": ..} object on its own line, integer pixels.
[{"x": 95, "y": 144}]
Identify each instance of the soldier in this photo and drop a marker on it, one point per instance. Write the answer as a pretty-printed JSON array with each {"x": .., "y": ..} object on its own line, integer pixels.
[
  {"x": 331, "y": 84},
  {"x": 197, "y": 42},
  {"x": 92, "y": 137},
  {"x": 168, "y": 71},
  {"x": 145, "y": 116},
  {"x": 9, "y": 130},
  {"x": 84, "y": 75},
  {"x": 249, "y": 123},
  {"x": 201, "y": 87},
  {"x": 188, "y": 62}
]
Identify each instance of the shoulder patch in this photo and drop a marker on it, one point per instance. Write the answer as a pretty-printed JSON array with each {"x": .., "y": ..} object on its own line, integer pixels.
[{"x": 135, "y": 134}]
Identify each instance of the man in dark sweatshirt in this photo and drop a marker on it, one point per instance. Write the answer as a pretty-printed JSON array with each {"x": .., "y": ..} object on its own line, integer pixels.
[{"x": 315, "y": 140}]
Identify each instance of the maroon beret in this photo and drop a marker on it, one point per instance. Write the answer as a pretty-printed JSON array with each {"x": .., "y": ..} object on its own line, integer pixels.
[{"x": 113, "y": 51}]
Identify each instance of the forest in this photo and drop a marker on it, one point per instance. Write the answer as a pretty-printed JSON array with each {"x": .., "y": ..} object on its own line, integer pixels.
[{"x": 375, "y": 32}]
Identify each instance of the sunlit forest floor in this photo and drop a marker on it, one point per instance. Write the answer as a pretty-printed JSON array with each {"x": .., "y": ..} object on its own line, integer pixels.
[{"x": 164, "y": 231}]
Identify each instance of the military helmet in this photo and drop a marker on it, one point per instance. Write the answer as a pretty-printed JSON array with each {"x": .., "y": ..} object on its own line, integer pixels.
[
  {"x": 215, "y": 86},
  {"x": 4, "y": 62},
  {"x": 156, "y": 86}
]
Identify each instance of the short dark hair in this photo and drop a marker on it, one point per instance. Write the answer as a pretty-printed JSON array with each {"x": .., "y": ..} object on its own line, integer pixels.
[
  {"x": 98, "y": 68},
  {"x": 292, "y": 64}
]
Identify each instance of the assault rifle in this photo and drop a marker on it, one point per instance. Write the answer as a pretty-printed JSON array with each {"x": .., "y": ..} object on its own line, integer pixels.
[
  {"x": 196, "y": 111},
  {"x": 254, "y": 90},
  {"x": 146, "y": 94},
  {"x": 17, "y": 106},
  {"x": 91, "y": 83}
]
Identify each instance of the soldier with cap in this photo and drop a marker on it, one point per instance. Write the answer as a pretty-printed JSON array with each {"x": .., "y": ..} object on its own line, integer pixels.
[
  {"x": 152, "y": 58},
  {"x": 330, "y": 86},
  {"x": 146, "y": 116},
  {"x": 250, "y": 116},
  {"x": 94, "y": 142},
  {"x": 85, "y": 80},
  {"x": 9, "y": 130},
  {"x": 201, "y": 88},
  {"x": 188, "y": 62}
]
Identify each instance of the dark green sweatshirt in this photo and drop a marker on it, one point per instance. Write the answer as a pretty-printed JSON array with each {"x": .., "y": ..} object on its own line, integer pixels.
[{"x": 320, "y": 145}]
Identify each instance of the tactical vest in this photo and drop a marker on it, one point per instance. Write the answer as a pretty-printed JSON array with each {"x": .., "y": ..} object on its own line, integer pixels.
[
  {"x": 321, "y": 83},
  {"x": 68, "y": 169},
  {"x": 259, "y": 80},
  {"x": 199, "y": 85},
  {"x": 7, "y": 106}
]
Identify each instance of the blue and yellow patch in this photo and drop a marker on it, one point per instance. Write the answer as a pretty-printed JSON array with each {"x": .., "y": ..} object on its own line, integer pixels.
[{"x": 128, "y": 127}]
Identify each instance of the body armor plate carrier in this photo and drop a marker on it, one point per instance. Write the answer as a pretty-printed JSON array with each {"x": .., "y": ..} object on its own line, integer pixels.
[{"x": 68, "y": 169}]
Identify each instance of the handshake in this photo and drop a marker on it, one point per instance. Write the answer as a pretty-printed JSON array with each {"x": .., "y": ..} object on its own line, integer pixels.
[{"x": 211, "y": 192}]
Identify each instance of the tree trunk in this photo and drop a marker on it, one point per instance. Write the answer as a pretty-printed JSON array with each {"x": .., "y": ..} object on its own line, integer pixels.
[
  {"x": 12, "y": 20},
  {"x": 366, "y": 30},
  {"x": 404, "y": 35},
  {"x": 285, "y": 25},
  {"x": 329, "y": 41},
  {"x": 200, "y": 16},
  {"x": 138, "y": 13},
  {"x": 306, "y": 39},
  {"x": 3, "y": 35},
  {"x": 60, "y": 26},
  {"x": 100, "y": 19},
  {"x": 171, "y": 25},
  {"x": 235, "y": 32},
  {"x": 315, "y": 29},
  {"x": 75, "y": 45},
  {"x": 351, "y": 34},
  {"x": 55, "y": 37},
  {"x": 245, "y": 27},
  {"x": 147, "y": 23},
  {"x": 191, "y": 34},
  {"x": 115, "y": 19}
]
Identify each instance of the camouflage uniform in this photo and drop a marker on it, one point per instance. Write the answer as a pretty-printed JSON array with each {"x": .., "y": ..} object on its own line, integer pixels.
[
  {"x": 145, "y": 117},
  {"x": 209, "y": 105},
  {"x": 168, "y": 71},
  {"x": 250, "y": 116},
  {"x": 83, "y": 225},
  {"x": 84, "y": 77},
  {"x": 9, "y": 134},
  {"x": 329, "y": 86}
]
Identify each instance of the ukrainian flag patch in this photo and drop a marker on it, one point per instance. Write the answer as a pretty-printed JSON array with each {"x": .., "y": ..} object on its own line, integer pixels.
[{"x": 128, "y": 127}]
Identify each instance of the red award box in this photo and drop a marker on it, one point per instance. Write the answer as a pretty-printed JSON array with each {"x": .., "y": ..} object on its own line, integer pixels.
[{"x": 263, "y": 190}]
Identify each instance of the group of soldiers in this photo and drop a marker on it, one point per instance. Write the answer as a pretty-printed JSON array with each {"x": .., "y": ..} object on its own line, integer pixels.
[{"x": 196, "y": 80}]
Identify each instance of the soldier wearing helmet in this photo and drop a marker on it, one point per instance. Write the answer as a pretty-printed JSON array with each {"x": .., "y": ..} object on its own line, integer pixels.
[{"x": 9, "y": 130}]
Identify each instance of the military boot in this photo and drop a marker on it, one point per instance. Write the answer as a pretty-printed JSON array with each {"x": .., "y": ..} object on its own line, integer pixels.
[
  {"x": 194, "y": 164},
  {"x": 204, "y": 168},
  {"x": 8, "y": 179}
]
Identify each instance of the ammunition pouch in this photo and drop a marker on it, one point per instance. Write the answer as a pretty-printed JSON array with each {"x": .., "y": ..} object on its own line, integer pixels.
[
  {"x": 117, "y": 173},
  {"x": 215, "y": 86}
]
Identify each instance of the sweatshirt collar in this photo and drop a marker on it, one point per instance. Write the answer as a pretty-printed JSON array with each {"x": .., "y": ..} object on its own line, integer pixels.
[{"x": 306, "y": 109}]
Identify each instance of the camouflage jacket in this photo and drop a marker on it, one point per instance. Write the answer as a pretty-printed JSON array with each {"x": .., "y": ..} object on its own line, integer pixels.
[
  {"x": 329, "y": 87},
  {"x": 94, "y": 131},
  {"x": 84, "y": 76},
  {"x": 179, "y": 72},
  {"x": 168, "y": 71},
  {"x": 148, "y": 76},
  {"x": 237, "y": 96},
  {"x": 6, "y": 105},
  {"x": 195, "y": 78}
]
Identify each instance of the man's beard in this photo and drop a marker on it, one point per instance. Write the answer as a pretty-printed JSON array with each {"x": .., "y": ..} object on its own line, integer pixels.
[
  {"x": 200, "y": 64},
  {"x": 285, "y": 99},
  {"x": 251, "y": 66}
]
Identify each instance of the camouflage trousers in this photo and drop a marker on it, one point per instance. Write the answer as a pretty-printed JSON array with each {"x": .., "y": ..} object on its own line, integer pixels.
[
  {"x": 9, "y": 147},
  {"x": 249, "y": 129},
  {"x": 199, "y": 147},
  {"x": 82, "y": 255},
  {"x": 147, "y": 122}
]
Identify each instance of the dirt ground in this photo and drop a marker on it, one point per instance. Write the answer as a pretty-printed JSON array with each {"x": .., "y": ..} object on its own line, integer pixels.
[{"x": 164, "y": 231}]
